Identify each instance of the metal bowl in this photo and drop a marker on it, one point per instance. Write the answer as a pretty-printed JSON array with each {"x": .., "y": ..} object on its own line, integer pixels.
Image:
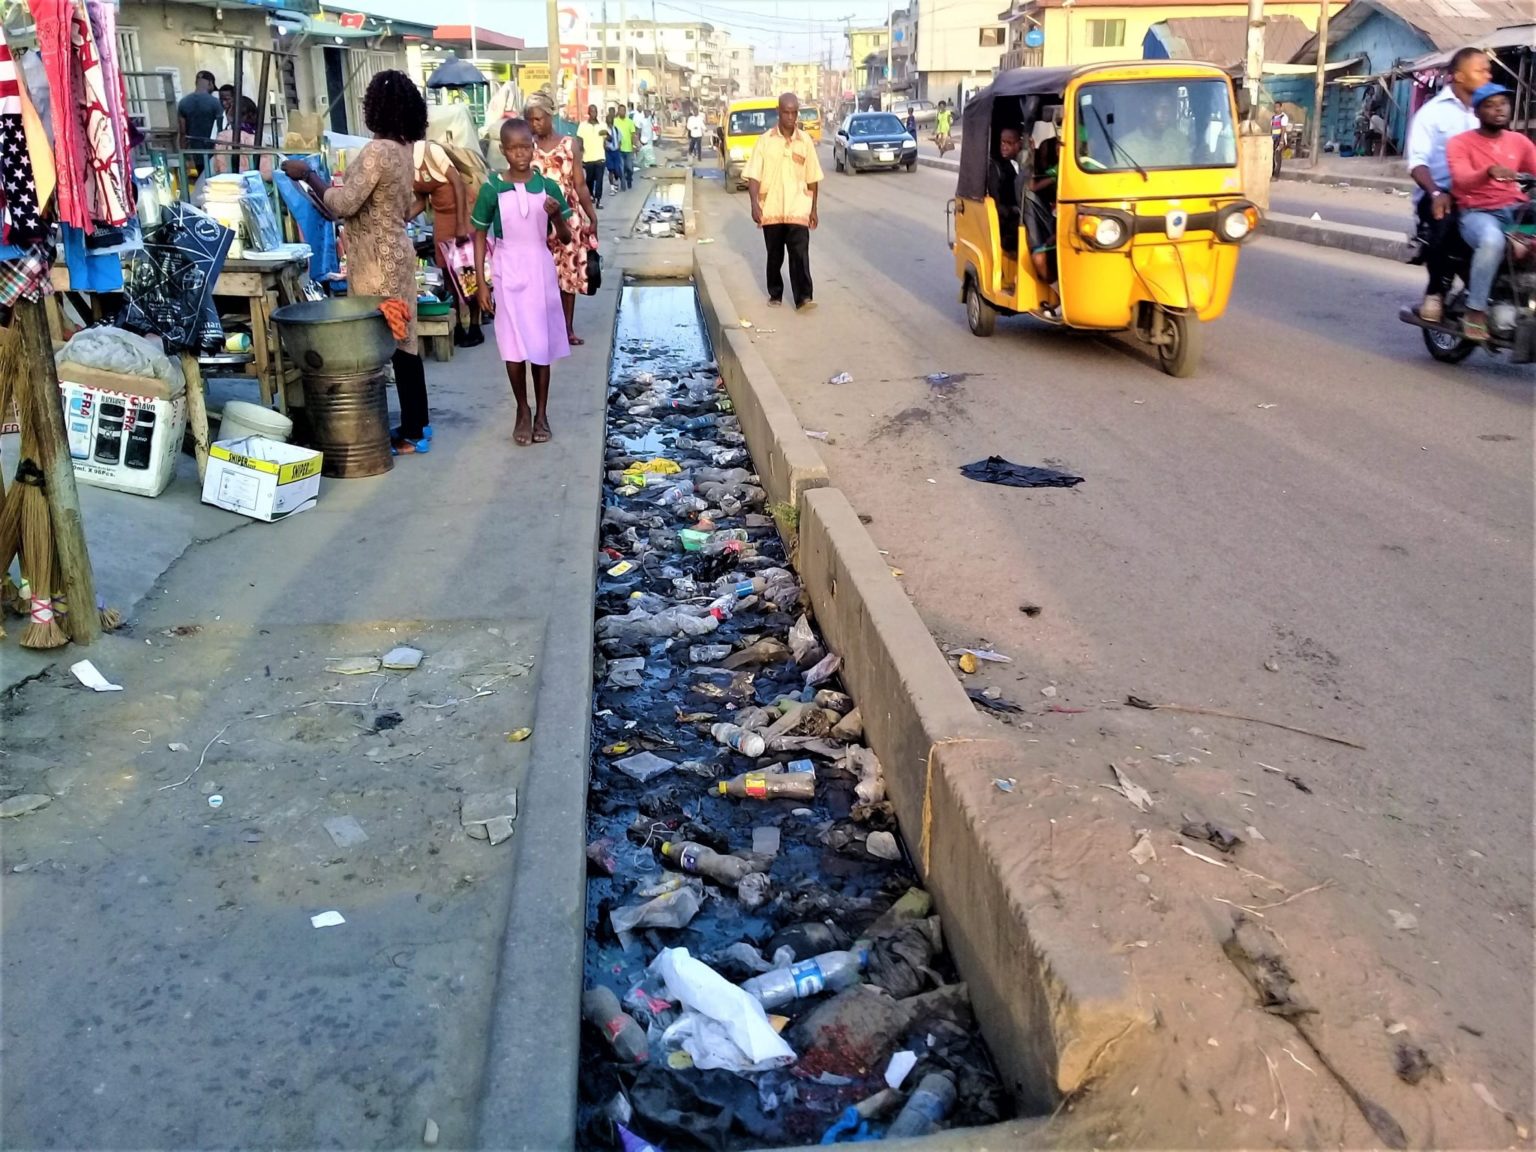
[{"x": 342, "y": 337}]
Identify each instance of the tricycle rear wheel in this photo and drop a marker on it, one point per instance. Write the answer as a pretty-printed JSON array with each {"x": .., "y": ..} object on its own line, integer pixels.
[{"x": 979, "y": 314}]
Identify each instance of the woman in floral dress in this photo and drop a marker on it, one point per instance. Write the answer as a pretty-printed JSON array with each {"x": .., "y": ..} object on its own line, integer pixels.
[{"x": 560, "y": 158}]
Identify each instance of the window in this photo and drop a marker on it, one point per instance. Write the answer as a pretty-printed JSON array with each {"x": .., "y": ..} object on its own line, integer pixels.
[
  {"x": 993, "y": 37},
  {"x": 688, "y": 34},
  {"x": 1106, "y": 33}
]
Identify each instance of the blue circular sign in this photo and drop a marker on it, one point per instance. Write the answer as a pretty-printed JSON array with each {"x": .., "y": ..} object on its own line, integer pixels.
[{"x": 1034, "y": 38}]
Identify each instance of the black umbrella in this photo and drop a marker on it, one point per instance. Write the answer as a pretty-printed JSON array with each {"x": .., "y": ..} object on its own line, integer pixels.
[{"x": 456, "y": 73}]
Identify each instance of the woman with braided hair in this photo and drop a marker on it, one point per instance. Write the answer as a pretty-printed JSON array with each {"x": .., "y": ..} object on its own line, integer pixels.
[{"x": 560, "y": 159}]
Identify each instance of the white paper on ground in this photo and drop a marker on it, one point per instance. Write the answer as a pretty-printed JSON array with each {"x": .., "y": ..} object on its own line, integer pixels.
[
  {"x": 724, "y": 1027},
  {"x": 327, "y": 919},
  {"x": 86, "y": 673},
  {"x": 896, "y": 1071}
]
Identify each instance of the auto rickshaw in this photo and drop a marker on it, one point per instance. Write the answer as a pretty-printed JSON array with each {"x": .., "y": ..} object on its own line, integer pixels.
[{"x": 1123, "y": 210}]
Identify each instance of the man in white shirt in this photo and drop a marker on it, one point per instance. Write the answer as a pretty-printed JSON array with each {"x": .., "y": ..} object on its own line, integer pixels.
[
  {"x": 645, "y": 130},
  {"x": 1448, "y": 114},
  {"x": 695, "y": 135}
]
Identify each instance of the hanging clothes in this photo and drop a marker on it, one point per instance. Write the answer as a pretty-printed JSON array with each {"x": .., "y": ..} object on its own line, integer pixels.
[
  {"x": 54, "y": 20},
  {"x": 22, "y": 219},
  {"x": 111, "y": 195},
  {"x": 103, "y": 18}
]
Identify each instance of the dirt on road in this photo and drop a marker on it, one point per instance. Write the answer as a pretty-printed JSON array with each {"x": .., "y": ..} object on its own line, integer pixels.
[{"x": 1309, "y": 533}]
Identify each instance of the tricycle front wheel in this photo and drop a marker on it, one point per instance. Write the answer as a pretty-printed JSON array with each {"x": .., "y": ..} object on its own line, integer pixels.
[{"x": 1179, "y": 353}]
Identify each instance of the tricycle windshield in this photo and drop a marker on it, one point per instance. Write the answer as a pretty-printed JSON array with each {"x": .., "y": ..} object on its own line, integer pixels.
[{"x": 1155, "y": 125}]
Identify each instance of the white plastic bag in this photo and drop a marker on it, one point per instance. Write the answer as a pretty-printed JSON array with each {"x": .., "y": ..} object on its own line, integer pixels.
[
  {"x": 722, "y": 1026},
  {"x": 113, "y": 350}
]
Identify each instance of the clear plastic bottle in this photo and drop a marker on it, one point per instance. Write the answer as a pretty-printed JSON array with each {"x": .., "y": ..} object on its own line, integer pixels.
[
  {"x": 708, "y": 653},
  {"x": 769, "y": 786},
  {"x": 726, "y": 540},
  {"x": 926, "y": 1108},
  {"x": 738, "y": 739},
  {"x": 706, "y": 862},
  {"x": 830, "y": 970},
  {"x": 600, "y": 1008}
]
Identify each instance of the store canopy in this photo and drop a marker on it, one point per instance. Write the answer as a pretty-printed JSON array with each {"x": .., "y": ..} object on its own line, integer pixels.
[
  {"x": 456, "y": 73},
  {"x": 1517, "y": 36}
]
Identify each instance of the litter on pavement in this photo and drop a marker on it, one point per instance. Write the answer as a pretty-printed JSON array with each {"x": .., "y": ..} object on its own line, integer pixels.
[{"x": 996, "y": 470}]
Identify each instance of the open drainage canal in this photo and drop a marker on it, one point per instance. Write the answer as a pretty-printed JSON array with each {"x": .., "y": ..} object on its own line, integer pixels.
[
  {"x": 662, "y": 213},
  {"x": 760, "y": 965}
]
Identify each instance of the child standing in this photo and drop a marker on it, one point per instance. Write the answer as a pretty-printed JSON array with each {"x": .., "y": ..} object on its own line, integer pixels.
[{"x": 513, "y": 216}]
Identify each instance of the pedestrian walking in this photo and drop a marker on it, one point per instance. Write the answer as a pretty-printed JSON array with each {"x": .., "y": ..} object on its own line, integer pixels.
[
  {"x": 695, "y": 135},
  {"x": 941, "y": 127},
  {"x": 513, "y": 218},
  {"x": 593, "y": 135},
  {"x": 645, "y": 134},
  {"x": 442, "y": 186},
  {"x": 911, "y": 125},
  {"x": 628, "y": 129},
  {"x": 611, "y": 155},
  {"x": 373, "y": 207},
  {"x": 783, "y": 179},
  {"x": 559, "y": 158}
]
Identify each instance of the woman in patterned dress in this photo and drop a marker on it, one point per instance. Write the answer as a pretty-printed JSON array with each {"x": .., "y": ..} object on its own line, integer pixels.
[
  {"x": 560, "y": 158},
  {"x": 373, "y": 205}
]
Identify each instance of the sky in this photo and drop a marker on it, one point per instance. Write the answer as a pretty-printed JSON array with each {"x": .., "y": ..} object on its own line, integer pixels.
[{"x": 777, "y": 29}]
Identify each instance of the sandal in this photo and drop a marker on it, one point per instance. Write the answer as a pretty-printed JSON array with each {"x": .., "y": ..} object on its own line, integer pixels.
[
  {"x": 574, "y": 340},
  {"x": 1475, "y": 330},
  {"x": 541, "y": 432},
  {"x": 400, "y": 446}
]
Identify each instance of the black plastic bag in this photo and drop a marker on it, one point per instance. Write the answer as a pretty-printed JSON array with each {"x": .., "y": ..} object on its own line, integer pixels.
[{"x": 996, "y": 470}]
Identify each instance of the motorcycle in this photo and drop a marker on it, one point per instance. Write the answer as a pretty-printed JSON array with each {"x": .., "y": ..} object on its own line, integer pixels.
[{"x": 1511, "y": 303}]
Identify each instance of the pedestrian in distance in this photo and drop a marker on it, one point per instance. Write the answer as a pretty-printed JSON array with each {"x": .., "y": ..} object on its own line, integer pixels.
[
  {"x": 941, "y": 127},
  {"x": 695, "y": 135},
  {"x": 197, "y": 116},
  {"x": 560, "y": 158},
  {"x": 628, "y": 131},
  {"x": 783, "y": 178},
  {"x": 911, "y": 124},
  {"x": 593, "y": 135},
  {"x": 611, "y": 155},
  {"x": 513, "y": 218}
]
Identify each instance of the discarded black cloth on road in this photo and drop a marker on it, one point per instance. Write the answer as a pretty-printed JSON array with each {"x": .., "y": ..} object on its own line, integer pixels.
[{"x": 996, "y": 470}]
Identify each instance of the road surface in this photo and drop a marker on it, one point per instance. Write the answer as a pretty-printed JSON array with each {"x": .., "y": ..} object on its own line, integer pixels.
[
  {"x": 1323, "y": 527},
  {"x": 1364, "y": 207}
]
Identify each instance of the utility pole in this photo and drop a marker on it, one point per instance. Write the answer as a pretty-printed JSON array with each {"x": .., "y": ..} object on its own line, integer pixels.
[
  {"x": 1322, "y": 80},
  {"x": 552, "y": 16},
  {"x": 890, "y": 54},
  {"x": 623, "y": 84},
  {"x": 1253, "y": 68}
]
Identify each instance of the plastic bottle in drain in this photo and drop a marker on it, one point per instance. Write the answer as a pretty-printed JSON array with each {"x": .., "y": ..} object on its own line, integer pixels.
[
  {"x": 600, "y": 1008},
  {"x": 724, "y": 540},
  {"x": 740, "y": 587},
  {"x": 926, "y": 1108},
  {"x": 706, "y": 862},
  {"x": 738, "y": 739},
  {"x": 769, "y": 785},
  {"x": 830, "y": 971},
  {"x": 678, "y": 621}
]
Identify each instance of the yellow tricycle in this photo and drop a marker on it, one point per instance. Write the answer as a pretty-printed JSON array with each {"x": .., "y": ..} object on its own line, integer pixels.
[{"x": 1106, "y": 198}]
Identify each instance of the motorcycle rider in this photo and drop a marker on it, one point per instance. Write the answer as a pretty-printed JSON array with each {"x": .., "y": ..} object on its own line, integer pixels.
[
  {"x": 1485, "y": 165},
  {"x": 1448, "y": 114}
]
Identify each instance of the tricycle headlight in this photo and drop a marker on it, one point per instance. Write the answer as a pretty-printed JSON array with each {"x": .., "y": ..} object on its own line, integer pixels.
[
  {"x": 1108, "y": 232},
  {"x": 738, "y": 153},
  {"x": 1236, "y": 222},
  {"x": 1105, "y": 228}
]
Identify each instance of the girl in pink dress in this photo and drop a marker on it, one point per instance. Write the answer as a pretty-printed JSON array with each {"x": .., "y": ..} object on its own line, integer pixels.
[{"x": 513, "y": 217}]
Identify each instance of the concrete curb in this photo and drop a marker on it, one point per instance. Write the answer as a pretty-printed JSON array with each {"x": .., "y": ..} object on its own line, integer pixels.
[
  {"x": 1047, "y": 1000},
  {"x": 785, "y": 459},
  {"x": 1379, "y": 242},
  {"x": 1375, "y": 183},
  {"x": 943, "y": 162}
]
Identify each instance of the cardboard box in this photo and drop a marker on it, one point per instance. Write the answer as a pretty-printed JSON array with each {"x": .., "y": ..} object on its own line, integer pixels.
[
  {"x": 124, "y": 432},
  {"x": 260, "y": 478}
]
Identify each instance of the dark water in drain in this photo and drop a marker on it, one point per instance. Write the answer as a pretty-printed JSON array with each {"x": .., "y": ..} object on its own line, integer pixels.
[{"x": 826, "y": 888}]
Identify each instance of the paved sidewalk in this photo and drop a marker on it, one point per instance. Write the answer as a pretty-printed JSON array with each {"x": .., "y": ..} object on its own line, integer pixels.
[{"x": 177, "y": 994}]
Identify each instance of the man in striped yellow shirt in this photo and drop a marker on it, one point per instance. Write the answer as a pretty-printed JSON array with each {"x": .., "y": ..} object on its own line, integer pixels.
[{"x": 782, "y": 177}]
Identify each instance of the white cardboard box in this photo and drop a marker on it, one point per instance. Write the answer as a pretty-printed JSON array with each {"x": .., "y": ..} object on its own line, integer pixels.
[
  {"x": 124, "y": 432},
  {"x": 260, "y": 478}
]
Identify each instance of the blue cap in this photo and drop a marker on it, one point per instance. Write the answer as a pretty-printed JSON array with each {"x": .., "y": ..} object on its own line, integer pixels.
[{"x": 1487, "y": 90}]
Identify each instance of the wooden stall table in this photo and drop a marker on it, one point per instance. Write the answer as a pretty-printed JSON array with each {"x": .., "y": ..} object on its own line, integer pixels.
[
  {"x": 437, "y": 332},
  {"x": 263, "y": 286}
]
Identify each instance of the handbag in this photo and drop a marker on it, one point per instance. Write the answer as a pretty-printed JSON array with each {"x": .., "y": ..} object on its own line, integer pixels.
[{"x": 594, "y": 272}]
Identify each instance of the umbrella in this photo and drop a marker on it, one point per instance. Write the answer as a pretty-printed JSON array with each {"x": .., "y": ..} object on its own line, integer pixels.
[{"x": 456, "y": 73}]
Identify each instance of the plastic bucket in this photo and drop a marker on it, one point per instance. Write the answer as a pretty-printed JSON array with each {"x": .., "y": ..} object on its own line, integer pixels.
[{"x": 242, "y": 419}]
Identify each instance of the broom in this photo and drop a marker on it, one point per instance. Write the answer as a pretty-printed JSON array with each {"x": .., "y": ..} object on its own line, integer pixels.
[{"x": 43, "y": 630}]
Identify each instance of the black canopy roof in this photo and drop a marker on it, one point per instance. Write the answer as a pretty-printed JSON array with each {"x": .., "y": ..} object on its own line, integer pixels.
[{"x": 1033, "y": 84}]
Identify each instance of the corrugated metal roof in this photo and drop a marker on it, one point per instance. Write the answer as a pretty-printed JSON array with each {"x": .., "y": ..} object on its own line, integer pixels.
[
  {"x": 1223, "y": 40},
  {"x": 1446, "y": 24}
]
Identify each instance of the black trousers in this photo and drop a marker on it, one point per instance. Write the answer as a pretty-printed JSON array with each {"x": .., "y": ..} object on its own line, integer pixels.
[
  {"x": 796, "y": 240},
  {"x": 1443, "y": 236},
  {"x": 593, "y": 170},
  {"x": 696, "y": 147},
  {"x": 411, "y": 388}
]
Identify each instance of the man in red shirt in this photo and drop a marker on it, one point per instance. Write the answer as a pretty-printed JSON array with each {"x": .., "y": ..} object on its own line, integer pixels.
[{"x": 1485, "y": 164}]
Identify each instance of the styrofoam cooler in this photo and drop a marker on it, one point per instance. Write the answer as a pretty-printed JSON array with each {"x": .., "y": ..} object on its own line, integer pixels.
[{"x": 124, "y": 432}]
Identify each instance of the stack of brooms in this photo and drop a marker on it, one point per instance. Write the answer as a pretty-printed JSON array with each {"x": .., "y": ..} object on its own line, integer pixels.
[{"x": 26, "y": 527}]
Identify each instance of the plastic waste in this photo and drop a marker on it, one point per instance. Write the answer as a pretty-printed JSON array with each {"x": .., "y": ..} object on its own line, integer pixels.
[
  {"x": 669, "y": 910},
  {"x": 708, "y": 653},
  {"x": 721, "y": 1026},
  {"x": 926, "y": 1109},
  {"x": 600, "y": 1008},
  {"x": 834, "y": 970},
  {"x": 643, "y": 766},
  {"x": 682, "y": 620},
  {"x": 738, "y": 739},
  {"x": 871, "y": 786},
  {"x": 769, "y": 785},
  {"x": 996, "y": 470},
  {"x": 629, "y": 1142},
  {"x": 706, "y": 862}
]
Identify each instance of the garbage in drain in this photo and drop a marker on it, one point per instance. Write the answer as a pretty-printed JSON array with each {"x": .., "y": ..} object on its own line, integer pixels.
[{"x": 751, "y": 915}]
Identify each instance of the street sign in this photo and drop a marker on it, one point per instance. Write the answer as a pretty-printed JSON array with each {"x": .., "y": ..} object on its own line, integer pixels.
[{"x": 1034, "y": 38}]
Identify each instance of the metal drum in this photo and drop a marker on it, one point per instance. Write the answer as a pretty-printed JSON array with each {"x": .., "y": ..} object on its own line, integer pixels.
[
  {"x": 340, "y": 337},
  {"x": 349, "y": 423}
]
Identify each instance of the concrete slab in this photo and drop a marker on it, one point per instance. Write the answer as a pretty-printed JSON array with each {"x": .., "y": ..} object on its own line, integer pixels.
[{"x": 1380, "y": 242}]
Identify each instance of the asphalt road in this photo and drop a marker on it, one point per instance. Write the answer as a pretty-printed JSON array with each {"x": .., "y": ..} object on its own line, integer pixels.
[
  {"x": 1322, "y": 497},
  {"x": 1364, "y": 207}
]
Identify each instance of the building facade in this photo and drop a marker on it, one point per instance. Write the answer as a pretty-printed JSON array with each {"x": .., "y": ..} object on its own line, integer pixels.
[
  {"x": 866, "y": 56},
  {"x": 959, "y": 44},
  {"x": 802, "y": 77},
  {"x": 695, "y": 45},
  {"x": 1053, "y": 33},
  {"x": 740, "y": 67}
]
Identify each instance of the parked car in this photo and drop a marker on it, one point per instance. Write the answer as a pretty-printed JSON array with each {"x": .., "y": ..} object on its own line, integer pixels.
[
  {"x": 873, "y": 140},
  {"x": 926, "y": 111}
]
